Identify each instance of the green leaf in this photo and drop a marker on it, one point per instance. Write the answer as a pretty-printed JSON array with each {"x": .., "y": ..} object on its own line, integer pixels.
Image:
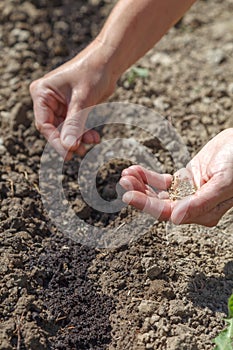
[
  {"x": 230, "y": 306},
  {"x": 224, "y": 341},
  {"x": 137, "y": 72},
  {"x": 141, "y": 72}
]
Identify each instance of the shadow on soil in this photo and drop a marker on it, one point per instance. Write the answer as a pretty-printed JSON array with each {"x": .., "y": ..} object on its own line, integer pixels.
[{"x": 212, "y": 292}]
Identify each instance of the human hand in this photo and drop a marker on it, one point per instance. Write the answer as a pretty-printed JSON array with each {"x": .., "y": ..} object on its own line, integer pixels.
[
  {"x": 147, "y": 191},
  {"x": 63, "y": 94},
  {"x": 211, "y": 172}
]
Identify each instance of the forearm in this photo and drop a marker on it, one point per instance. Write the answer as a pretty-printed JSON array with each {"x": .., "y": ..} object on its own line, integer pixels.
[{"x": 135, "y": 26}]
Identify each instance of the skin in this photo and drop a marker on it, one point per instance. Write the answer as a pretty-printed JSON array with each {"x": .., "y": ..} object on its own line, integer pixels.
[
  {"x": 61, "y": 97},
  {"x": 211, "y": 171},
  {"x": 90, "y": 77}
]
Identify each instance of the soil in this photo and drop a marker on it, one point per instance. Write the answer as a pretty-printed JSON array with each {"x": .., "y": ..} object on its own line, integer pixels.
[{"x": 168, "y": 289}]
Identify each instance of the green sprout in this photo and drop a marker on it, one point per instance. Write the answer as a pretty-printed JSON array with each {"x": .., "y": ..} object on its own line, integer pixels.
[
  {"x": 137, "y": 72},
  {"x": 224, "y": 341}
]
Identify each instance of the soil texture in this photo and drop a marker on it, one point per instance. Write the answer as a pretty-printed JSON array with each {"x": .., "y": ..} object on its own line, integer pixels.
[{"x": 166, "y": 290}]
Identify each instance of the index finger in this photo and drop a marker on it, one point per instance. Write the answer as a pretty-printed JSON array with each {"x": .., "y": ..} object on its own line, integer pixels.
[
  {"x": 152, "y": 178},
  {"x": 49, "y": 131},
  {"x": 52, "y": 134},
  {"x": 44, "y": 121}
]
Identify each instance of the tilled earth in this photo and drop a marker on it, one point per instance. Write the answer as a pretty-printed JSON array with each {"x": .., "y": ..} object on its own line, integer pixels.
[{"x": 168, "y": 289}]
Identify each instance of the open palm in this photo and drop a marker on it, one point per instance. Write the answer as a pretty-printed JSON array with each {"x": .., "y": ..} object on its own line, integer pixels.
[{"x": 211, "y": 172}]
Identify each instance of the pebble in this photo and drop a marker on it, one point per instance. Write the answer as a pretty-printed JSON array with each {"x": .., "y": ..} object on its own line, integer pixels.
[
  {"x": 154, "y": 318},
  {"x": 65, "y": 247},
  {"x": 19, "y": 35},
  {"x": 161, "y": 58},
  {"x": 147, "y": 262},
  {"x": 20, "y": 47},
  {"x": 221, "y": 29},
  {"x": 61, "y": 26},
  {"x": 207, "y": 120},
  {"x": 30, "y": 9},
  {"x": 5, "y": 117},
  {"x": 153, "y": 271},
  {"x": 216, "y": 56},
  {"x": 7, "y": 11},
  {"x": 144, "y": 338},
  {"x": 2, "y": 150},
  {"x": 161, "y": 104},
  {"x": 94, "y": 2},
  {"x": 147, "y": 307},
  {"x": 221, "y": 118},
  {"x": 147, "y": 338},
  {"x": 13, "y": 66},
  {"x": 230, "y": 88},
  {"x": 19, "y": 116}
]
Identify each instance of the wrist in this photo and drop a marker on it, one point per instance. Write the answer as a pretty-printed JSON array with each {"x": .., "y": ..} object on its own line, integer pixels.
[{"x": 109, "y": 58}]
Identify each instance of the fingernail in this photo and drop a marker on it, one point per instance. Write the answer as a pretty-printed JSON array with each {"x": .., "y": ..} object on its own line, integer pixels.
[
  {"x": 70, "y": 141},
  {"x": 120, "y": 190},
  {"x": 127, "y": 197},
  {"x": 126, "y": 184},
  {"x": 125, "y": 172}
]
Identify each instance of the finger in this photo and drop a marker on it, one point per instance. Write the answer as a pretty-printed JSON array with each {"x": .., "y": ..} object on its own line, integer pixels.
[
  {"x": 91, "y": 137},
  {"x": 133, "y": 171},
  {"x": 133, "y": 175},
  {"x": 130, "y": 183},
  {"x": 160, "y": 181},
  {"x": 150, "y": 192},
  {"x": 163, "y": 195},
  {"x": 46, "y": 104},
  {"x": 74, "y": 124},
  {"x": 212, "y": 218},
  {"x": 159, "y": 209},
  {"x": 205, "y": 199},
  {"x": 81, "y": 151},
  {"x": 53, "y": 136},
  {"x": 44, "y": 119},
  {"x": 194, "y": 168},
  {"x": 58, "y": 121}
]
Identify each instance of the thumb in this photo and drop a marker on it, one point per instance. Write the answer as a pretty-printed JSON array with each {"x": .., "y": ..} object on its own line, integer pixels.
[
  {"x": 73, "y": 126},
  {"x": 199, "y": 204}
]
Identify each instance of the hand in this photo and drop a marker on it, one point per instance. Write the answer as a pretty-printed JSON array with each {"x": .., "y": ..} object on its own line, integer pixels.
[
  {"x": 90, "y": 77},
  {"x": 147, "y": 191},
  {"x": 211, "y": 172},
  {"x": 62, "y": 95}
]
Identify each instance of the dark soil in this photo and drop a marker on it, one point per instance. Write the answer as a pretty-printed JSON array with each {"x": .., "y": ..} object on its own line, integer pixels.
[{"x": 168, "y": 289}]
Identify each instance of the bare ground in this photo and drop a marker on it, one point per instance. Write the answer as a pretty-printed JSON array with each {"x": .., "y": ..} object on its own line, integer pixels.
[{"x": 169, "y": 289}]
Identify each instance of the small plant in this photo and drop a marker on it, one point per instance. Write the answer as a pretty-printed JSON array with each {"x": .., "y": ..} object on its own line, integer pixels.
[
  {"x": 136, "y": 72},
  {"x": 224, "y": 341}
]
